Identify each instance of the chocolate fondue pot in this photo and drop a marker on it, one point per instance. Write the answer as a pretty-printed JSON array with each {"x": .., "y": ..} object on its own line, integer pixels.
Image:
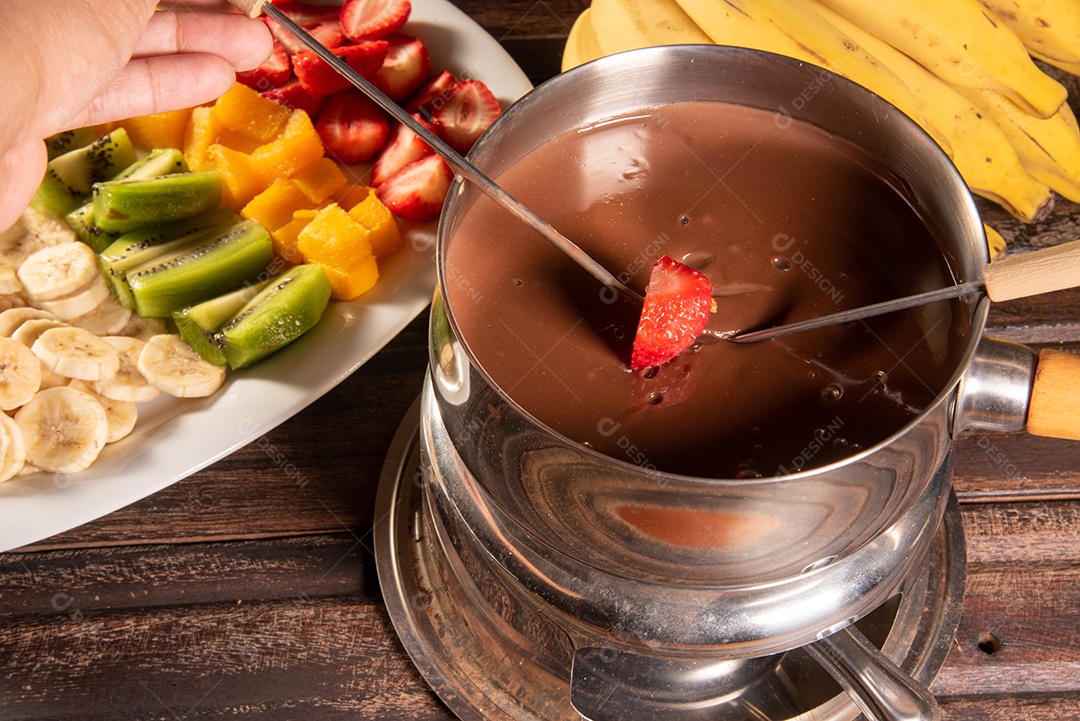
[{"x": 796, "y": 556}]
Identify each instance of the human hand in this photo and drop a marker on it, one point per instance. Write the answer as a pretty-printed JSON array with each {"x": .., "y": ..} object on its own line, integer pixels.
[{"x": 72, "y": 63}]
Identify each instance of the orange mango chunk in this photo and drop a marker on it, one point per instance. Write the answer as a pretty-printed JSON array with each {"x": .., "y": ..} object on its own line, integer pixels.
[
  {"x": 202, "y": 131},
  {"x": 274, "y": 207},
  {"x": 320, "y": 179},
  {"x": 376, "y": 217},
  {"x": 160, "y": 130},
  {"x": 245, "y": 111},
  {"x": 285, "y": 238},
  {"x": 343, "y": 247},
  {"x": 354, "y": 282},
  {"x": 350, "y": 194},
  {"x": 297, "y": 147},
  {"x": 239, "y": 182}
]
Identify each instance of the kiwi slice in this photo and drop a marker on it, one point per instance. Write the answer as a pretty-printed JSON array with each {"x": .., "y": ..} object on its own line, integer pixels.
[
  {"x": 162, "y": 161},
  {"x": 121, "y": 206},
  {"x": 201, "y": 270},
  {"x": 67, "y": 140},
  {"x": 289, "y": 306},
  {"x": 70, "y": 177},
  {"x": 139, "y": 247},
  {"x": 199, "y": 324}
]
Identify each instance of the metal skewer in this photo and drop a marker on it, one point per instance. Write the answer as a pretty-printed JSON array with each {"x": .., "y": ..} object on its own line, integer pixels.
[
  {"x": 867, "y": 311},
  {"x": 459, "y": 164}
]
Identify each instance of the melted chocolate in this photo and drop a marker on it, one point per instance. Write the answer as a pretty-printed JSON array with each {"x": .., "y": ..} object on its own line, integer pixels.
[{"x": 787, "y": 223}]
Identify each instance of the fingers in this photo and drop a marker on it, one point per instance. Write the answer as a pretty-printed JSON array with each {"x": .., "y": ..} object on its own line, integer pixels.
[
  {"x": 243, "y": 42},
  {"x": 160, "y": 84}
]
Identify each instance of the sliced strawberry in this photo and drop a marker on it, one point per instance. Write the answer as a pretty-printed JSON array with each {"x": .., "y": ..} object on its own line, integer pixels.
[
  {"x": 352, "y": 127},
  {"x": 320, "y": 79},
  {"x": 417, "y": 191},
  {"x": 323, "y": 22},
  {"x": 373, "y": 19},
  {"x": 402, "y": 148},
  {"x": 433, "y": 94},
  {"x": 294, "y": 95},
  {"x": 468, "y": 110},
  {"x": 274, "y": 72},
  {"x": 678, "y": 301},
  {"x": 406, "y": 68}
]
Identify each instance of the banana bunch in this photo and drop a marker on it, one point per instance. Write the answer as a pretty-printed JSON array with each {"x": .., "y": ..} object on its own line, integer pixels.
[
  {"x": 962, "y": 69},
  {"x": 73, "y": 361}
]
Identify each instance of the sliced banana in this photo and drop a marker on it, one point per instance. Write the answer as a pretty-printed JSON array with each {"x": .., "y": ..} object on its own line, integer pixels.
[
  {"x": 80, "y": 302},
  {"x": 171, "y": 365},
  {"x": 58, "y": 271},
  {"x": 50, "y": 378},
  {"x": 14, "y": 459},
  {"x": 11, "y": 300},
  {"x": 9, "y": 279},
  {"x": 20, "y": 374},
  {"x": 64, "y": 429},
  {"x": 33, "y": 232},
  {"x": 12, "y": 318},
  {"x": 143, "y": 328},
  {"x": 109, "y": 318},
  {"x": 121, "y": 415},
  {"x": 32, "y": 329},
  {"x": 76, "y": 353},
  {"x": 128, "y": 384}
]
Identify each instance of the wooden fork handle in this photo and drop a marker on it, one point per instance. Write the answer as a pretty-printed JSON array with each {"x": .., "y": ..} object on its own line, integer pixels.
[{"x": 251, "y": 8}]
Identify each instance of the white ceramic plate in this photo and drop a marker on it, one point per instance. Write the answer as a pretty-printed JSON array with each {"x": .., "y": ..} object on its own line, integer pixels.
[{"x": 174, "y": 439}]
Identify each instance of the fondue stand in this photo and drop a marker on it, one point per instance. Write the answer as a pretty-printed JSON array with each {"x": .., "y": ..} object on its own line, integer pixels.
[{"x": 496, "y": 646}]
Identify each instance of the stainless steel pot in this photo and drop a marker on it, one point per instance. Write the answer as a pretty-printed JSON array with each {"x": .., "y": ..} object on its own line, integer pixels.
[{"x": 804, "y": 554}]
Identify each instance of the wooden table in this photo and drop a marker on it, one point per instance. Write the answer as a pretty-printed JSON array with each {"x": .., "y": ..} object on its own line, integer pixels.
[{"x": 249, "y": 591}]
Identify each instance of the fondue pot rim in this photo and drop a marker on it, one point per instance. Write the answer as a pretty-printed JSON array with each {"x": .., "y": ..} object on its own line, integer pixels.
[{"x": 686, "y": 56}]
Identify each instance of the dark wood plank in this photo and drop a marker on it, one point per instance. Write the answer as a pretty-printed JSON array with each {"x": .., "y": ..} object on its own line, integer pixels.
[{"x": 326, "y": 659}]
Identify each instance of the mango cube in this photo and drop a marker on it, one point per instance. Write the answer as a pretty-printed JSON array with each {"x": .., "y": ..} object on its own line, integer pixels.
[
  {"x": 239, "y": 182},
  {"x": 354, "y": 282},
  {"x": 160, "y": 130},
  {"x": 274, "y": 207},
  {"x": 202, "y": 131},
  {"x": 343, "y": 247},
  {"x": 285, "y": 238},
  {"x": 320, "y": 179},
  {"x": 248, "y": 113},
  {"x": 297, "y": 147},
  {"x": 377, "y": 218}
]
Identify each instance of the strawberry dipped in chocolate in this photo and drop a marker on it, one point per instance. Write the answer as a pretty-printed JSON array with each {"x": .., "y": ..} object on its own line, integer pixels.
[{"x": 678, "y": 301}]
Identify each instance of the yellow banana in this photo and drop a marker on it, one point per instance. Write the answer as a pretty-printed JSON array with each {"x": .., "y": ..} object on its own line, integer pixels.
[
  {"x": 627, "y": 24},
  {"x": 1049, "y": 29},
  {"x": 1048, "y": 147},
  {"x": 795, "y": 30},
  {"x": 581, "y": 45},
  {"x": 980, "y": 150},
  {"x": 994, "y": 242},
  {"x": 961, "y": 42}
]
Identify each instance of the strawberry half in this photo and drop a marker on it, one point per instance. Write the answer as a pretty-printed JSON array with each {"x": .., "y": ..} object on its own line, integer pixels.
[
  {"x": 352, "y": 127},
  {"x": 417, "y": 191},
  {"x": 319, "y": 79},
  {"x": 373, "y": 19},
  {"x": 296, "y": 96},
  {"x": 402, "y": 148},
  {"x": 406, "y": 68},
  {"x": 323, "y": 22},
  {"x": 433, "y": 94},
  {"x": 468, "y": 110},
  {"x": 275, "y": 71},
  {"x": 678, "y": 301}
]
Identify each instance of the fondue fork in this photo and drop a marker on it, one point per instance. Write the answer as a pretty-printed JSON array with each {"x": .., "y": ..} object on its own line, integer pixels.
[
  {"x": 254, "y": 8},
  {"x": 1033, "y": 273}
]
